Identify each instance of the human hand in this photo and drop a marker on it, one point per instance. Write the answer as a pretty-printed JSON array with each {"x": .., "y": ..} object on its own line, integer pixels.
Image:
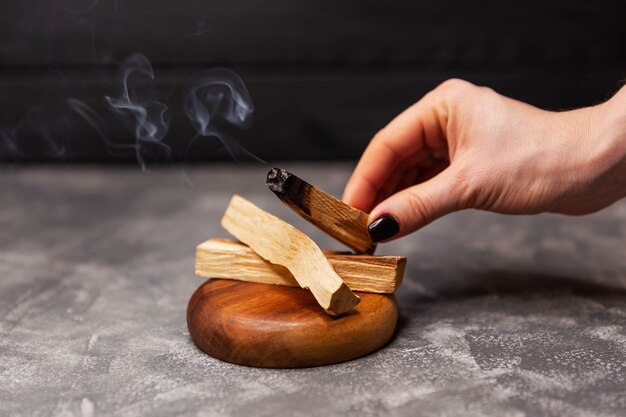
[{"x": 463, "y": 146}]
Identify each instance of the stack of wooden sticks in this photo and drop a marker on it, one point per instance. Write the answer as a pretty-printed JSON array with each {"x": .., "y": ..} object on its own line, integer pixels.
[{"x": 274, "y": 252}]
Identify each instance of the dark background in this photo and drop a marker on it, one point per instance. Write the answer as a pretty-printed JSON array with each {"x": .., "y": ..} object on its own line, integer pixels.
[{"x": 324, "y": 75}]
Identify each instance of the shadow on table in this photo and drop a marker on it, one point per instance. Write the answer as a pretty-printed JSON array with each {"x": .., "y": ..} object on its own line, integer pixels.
[
  {"x": 524, "y": 283},
  {"x": 469, "y": 284},
  {"x": 465, "y": 286}
]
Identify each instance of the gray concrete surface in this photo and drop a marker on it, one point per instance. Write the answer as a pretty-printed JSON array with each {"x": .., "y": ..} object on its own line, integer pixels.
[{"x": 502, "y": 316}]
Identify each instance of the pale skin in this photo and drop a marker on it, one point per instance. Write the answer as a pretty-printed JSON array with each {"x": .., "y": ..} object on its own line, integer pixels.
[{"x": 462, "y": 146}]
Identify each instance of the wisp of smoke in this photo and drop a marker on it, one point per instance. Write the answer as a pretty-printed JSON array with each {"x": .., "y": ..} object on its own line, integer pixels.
[
  {"x": 41, "y": 129},
  {"x": 139, "y": 106},
  {"x": 213, "y": 101},
  {"x": 8, "y": 143},
  {"x": 57, "y": 149},
  {"x": 216, "y": 96},
  {"x": 98, "y": 124}
]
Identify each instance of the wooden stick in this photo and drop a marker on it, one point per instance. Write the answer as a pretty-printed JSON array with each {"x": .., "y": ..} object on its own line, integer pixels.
[
  {"x": 282, "y": 244},
  {"x": 346, "y": 224},
  {"x": 223, "y": 258}
]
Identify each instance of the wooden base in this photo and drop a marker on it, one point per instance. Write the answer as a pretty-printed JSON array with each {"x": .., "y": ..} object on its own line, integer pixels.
[{"x": 273, "y": 326}]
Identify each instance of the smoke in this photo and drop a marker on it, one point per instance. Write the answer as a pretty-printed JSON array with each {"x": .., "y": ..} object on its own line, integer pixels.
[
  {"x": 8, "y": 144},
  {"x": 214, "y": 102},
  {"x": 139, "y": 108},
  {"x": 98, "y": 124},
  {"x": 56, "y": 148},
  {"x": 217, "y": 98},
  {"x": 90, "y": 117},
  {"x": 80, "y": 6},
  {"x": 69, "y": 50},
  {"x": 41, "y": 128}
]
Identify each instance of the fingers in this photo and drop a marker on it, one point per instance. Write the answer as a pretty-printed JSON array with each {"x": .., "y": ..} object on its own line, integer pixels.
[
  {"x": 408, "y": 174},
  {"x": 416, "y": 206},
  {"x": 418, "y": 129}
]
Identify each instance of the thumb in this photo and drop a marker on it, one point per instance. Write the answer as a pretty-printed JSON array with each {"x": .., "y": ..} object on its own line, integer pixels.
[{"x": 414, "y": 207}]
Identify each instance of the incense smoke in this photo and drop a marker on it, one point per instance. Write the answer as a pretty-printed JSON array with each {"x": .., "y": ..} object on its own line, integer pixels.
[
  {"x": 99, "y": 125},
  {"x": 217, "y": 97},
  {"x": 42, "y": 125},
  {"x": 139, "y": 108},
  {"x": 214, "y": 101},
  {"x": 8, "y": 143}
]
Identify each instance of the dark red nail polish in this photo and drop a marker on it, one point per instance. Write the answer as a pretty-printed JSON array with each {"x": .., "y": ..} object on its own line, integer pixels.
[{"x": 383, "y": 228}]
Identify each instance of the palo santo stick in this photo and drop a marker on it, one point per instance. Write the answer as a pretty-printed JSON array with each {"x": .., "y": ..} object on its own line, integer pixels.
[
  {"x": 282, "y": 244},
  {"x": 346, "y": 224},
  {"x": 223, "y": 258}
]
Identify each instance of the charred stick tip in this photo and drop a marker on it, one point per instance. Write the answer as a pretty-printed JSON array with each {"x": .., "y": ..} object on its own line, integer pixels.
[{"x": 282, "y": 182}]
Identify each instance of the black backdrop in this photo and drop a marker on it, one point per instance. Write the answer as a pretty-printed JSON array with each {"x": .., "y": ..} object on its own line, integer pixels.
[{"x": 324, "y": 75}]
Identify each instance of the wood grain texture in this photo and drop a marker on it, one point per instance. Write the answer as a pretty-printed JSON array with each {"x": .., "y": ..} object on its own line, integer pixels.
[
  {"x": 282, "y": 244},
  {"x": 331, "y": 215},
  {"x": 284, "y": 327},
  {"x": 223, "y": 258}
]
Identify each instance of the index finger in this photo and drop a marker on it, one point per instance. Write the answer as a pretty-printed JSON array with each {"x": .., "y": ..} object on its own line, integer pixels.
[{"x": 421, "y": 125}]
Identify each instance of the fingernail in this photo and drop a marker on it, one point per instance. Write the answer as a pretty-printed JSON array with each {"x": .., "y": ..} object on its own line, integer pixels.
[{"x": 383, "y": 228}]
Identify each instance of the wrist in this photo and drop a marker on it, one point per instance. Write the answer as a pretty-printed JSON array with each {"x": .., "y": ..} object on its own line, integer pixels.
[
  {"x": 611, "y": 135},
  {"x": 615, "y": 114}
]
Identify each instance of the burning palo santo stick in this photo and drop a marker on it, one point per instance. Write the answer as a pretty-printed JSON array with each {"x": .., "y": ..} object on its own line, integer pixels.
[
  {"x": 223, "y": 258},
  {"x": 282, "y": 244},
  {"x": 346, "y": 224}
]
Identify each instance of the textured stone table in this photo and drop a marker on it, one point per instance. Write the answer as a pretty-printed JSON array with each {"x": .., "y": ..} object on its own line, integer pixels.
[{"x": 506, "y": 316}]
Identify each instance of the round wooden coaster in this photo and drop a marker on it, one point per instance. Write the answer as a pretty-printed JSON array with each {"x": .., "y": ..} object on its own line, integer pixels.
[{"x": 273, "y": 326}]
